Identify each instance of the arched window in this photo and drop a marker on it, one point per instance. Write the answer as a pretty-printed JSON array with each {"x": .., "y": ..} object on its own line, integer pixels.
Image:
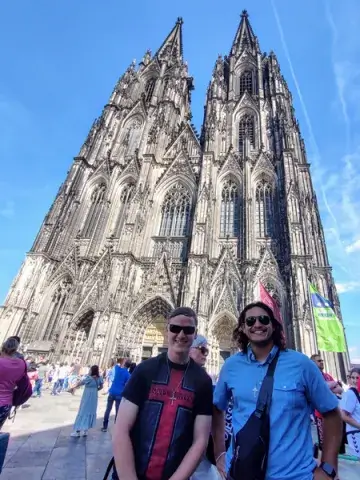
[
  {"x": 246, "y": 129},
  {"x": 230, "y": 210},
  {"x": 97, "y": 202},
  {"x": 149, "y": 89},
  {"x": 264, "y": 210},
  {"x": 246, "y": 83},
  {"x": 125, "y": 200},
  {"x": 176, "y": 212}
]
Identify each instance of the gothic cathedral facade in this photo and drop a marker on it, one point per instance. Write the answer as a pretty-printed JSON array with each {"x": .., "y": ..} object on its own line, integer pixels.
[{"x": 153, "y": 215}]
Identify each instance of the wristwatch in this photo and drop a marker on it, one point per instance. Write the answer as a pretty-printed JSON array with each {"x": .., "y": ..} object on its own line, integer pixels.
[{"x": 328, "y": 469}]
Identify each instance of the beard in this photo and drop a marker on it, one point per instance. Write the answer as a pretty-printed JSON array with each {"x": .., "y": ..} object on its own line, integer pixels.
[{"x": 263, "y": 343}]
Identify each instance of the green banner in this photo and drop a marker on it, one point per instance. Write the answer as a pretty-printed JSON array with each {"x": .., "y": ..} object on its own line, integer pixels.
[{"x": 329, "y": 330}]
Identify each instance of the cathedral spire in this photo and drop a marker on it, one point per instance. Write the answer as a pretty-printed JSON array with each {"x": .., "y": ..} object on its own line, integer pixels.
[
  {"x": 245, "y": 37},
  {"x": 173, "y": 45}
]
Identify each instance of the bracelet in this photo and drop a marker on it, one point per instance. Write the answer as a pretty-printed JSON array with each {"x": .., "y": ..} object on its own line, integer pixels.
[{"x": 218, "y": 458}]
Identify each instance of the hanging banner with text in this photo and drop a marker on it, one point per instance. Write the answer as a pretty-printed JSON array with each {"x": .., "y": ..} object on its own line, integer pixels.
[{"x": 329, "y": 330}]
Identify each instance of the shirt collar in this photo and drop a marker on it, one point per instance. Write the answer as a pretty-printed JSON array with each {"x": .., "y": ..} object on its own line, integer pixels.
[{"x": 251, "y": 357}]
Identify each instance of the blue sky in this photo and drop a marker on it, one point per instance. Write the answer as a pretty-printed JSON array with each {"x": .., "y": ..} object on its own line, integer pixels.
[{"x": 59, "y": 64}]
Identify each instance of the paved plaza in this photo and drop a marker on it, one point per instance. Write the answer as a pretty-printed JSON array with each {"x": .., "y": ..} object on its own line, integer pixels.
[{"x": 40, "y": 446}]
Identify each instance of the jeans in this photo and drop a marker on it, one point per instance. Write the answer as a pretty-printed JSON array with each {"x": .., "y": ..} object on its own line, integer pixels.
[
  {"x": 58, "y": 385},
  {"x": 37, "y": 387},
  {"x": 66, "y": 383},
  {"x": 110, "y": 401},
  {"x": 4, "y": 441}
]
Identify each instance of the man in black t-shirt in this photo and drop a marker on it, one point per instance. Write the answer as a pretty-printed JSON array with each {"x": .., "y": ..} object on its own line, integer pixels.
[{"x": 164, "y": 419}]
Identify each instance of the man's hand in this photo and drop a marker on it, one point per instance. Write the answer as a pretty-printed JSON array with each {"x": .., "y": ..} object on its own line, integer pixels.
[
  {"x": 319, "y": 474},
  {"x": 220, "y": 465}
]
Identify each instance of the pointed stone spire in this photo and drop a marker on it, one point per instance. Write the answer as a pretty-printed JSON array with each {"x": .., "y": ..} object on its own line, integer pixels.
[
  {"x": 172, "y": 47},
  {"x": 245, "y": 37}
]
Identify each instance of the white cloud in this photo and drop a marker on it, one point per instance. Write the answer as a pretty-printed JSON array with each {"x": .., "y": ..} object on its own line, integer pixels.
[
  {"x": 7, "y": 210},
  {"x": 353, "y": 247},
  {"x": 347, "y": 287},
  {"x": 342, "y": 188}
]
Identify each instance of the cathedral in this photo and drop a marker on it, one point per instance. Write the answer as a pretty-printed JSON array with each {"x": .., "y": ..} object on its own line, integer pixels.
[{"x": 153, "y": 215}]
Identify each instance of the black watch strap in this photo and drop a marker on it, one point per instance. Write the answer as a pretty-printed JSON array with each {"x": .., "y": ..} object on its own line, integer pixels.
[{"x": 328, "y": 469}]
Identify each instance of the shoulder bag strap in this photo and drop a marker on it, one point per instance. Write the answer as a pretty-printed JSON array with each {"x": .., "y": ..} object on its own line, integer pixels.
[
  {"x": 109, "y": 468},
  {"x": 353, "y": 389},
  {"x": 265, "y": 394}
]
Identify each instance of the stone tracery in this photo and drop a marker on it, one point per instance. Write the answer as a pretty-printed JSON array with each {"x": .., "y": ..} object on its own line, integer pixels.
[{"x": 171, "y": 251}]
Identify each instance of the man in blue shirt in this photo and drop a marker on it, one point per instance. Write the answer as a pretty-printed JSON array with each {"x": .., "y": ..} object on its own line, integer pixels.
[
  {"x": 119, "y": 378},
  {"x": 298, "y": 387}
]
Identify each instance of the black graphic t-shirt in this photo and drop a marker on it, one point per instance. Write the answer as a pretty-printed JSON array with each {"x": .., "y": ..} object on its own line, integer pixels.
[{"x": 169, "y": 398}]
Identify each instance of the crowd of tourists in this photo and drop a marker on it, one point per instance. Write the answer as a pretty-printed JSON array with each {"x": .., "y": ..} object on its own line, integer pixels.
[{"x": 173, "y": 422}]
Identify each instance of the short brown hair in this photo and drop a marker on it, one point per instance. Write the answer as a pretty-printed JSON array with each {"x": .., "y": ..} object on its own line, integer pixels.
[
  {"x": 10, "y": 346},
  {"x": 186, "y": 311}
]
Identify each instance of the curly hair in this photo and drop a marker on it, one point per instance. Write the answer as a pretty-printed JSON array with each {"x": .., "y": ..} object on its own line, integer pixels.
[{"x": 242, "y": 340}]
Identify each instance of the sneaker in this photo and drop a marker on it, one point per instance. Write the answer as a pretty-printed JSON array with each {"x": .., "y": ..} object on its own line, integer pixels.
[
  {"x": 75, "y": 434},
  {"x": 104, "y": 429},
  {"x": 85, "y": 432}
]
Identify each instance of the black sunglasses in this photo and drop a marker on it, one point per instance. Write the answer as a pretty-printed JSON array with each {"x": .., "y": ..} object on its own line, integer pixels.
[
  {"x": 263, "y": 319},
  {"x": 203, "y": 350},
  {"x": 189, "y": 330}
]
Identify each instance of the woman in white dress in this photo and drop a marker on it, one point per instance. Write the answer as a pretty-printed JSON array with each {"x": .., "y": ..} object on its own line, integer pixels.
[{"x": 350, "y": 412}]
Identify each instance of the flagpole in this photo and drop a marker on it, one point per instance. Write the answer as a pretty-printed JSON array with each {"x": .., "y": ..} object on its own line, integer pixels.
[{"x": 312, "y": 317}]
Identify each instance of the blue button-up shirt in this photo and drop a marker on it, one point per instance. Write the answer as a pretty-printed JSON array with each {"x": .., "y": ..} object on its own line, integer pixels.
[{"x": 299, "y": 387}]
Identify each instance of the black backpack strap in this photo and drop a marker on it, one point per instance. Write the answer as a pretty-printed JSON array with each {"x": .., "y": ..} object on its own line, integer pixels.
[
  {"x": 265, "y": 394},
  {"x": 353, "y": 389},
  {"x": 109, "y": 468}
]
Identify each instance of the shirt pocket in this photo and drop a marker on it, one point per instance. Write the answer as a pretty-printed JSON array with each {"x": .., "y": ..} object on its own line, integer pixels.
[{"x": 286, "y": 396}]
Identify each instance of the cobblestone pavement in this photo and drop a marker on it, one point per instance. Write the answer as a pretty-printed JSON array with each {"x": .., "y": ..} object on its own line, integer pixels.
[{"x": 40, "y": 447}]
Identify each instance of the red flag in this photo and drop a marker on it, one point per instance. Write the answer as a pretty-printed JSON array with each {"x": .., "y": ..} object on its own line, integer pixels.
[{"x": 266, "y": 298}]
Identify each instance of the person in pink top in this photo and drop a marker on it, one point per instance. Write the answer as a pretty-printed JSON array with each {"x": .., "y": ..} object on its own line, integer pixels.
[{"x": 11, "y": 370}]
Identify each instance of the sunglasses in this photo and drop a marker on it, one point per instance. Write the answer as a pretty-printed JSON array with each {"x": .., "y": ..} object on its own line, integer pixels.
[
  {"x": 203, "y": 350},
  {"x": 189, "y": 330},
  {"x": 263, "y": 319}
]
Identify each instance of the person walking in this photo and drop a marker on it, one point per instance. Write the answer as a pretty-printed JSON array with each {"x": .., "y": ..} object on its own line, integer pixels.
[
  {"x": 164, "y": 420},
  {"x": 273, "y": 389},
  {"x": 86, "y": 417},
  {"x": 42, "y": 369},
  {"x": 120, "y": 377},
  {"x": 55, "y": 379},
  {"x": 12, "y": 369},
  {"x": 350, "y": 412}
]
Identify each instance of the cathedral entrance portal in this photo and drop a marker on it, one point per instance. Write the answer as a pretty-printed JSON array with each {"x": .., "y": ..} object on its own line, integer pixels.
[
  {"x": 147, "y": 336},
  {"x": 155, "y": 338},
  {"x": 221, "y": 343}
]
